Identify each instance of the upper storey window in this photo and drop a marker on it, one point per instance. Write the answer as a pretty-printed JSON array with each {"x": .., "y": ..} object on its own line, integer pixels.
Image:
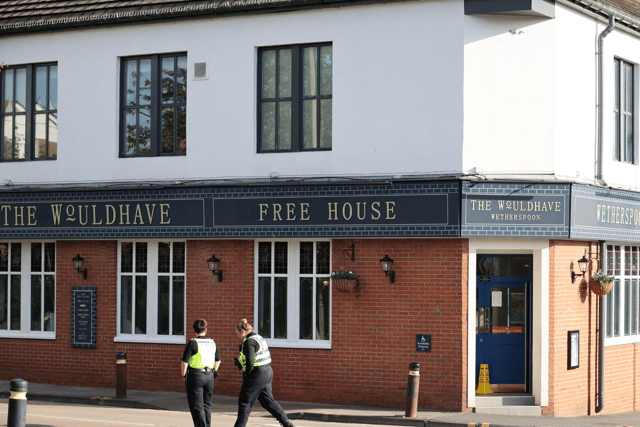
[
  {"x": 623, "y": 111},
  {"x": 29, "y": 125},
  {"x": 154, "y": 106},
  {"x": 295, "y": 87}
]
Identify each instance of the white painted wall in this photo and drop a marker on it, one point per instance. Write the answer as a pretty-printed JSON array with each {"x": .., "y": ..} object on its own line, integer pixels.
[
  {"x": 397, "y": 94},
  {"x": 419, "y": 88},
  {"x": 509, "y": 94}
]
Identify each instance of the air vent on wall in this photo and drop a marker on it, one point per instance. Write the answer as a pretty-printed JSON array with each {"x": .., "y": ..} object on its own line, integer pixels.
[{"x": 200, "y": 71}]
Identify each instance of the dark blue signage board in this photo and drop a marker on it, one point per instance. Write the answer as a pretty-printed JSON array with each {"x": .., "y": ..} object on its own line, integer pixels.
[
  {"x": 84, "y": 318},
  {"x": 358, "y": 210},
  {"x": 423, "y": 343},
  {"x": 89, "y": 213},
  {"x": 605, "y": 214},
  {"x": 515, "y": 210},
  {"x": 385, "y": 209}
]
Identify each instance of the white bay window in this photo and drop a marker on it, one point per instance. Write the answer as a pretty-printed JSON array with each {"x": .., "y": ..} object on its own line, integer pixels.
[
  {"x": 293, "y": 293},
  {"x": 151, "y": 291}
]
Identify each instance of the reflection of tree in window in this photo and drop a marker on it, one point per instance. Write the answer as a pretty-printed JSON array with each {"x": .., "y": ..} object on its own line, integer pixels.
[{"x": 155, "y": 106}]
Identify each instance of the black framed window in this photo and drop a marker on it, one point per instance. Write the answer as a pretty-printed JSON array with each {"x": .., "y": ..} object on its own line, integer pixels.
[
  {"x": 623, "y": 111},
  {"x": 154, "y": 106},
  {"x": 29, "y": 116},
  {"x": 295, "y": 92}
]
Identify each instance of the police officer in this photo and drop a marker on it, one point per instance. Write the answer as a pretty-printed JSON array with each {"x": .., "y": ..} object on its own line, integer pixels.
[
  {"x": 254, "y": 361},
  {"x": 200, "y": 362}
]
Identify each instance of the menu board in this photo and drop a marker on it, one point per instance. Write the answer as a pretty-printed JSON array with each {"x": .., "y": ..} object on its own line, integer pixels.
[{"x": 83, "y": 316}]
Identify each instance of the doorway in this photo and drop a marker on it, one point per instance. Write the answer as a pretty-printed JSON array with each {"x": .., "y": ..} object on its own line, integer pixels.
[{"x": 503, "y": 321}]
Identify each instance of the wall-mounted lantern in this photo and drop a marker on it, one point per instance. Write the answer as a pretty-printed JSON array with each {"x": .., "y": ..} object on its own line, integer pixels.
[
  {"x": 78, "y": 262},
  {"x": 214, "y": 267},
  {"x": 387, "y": 266},
  {"x": 583, "y": 265}
]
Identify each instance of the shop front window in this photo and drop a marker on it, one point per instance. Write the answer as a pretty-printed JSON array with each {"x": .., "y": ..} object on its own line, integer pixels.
[
  {"x": 622, "y": 304},
  {"x": 293, "y": 295},
  {"x": 152, "y": 286},
  {"x": 28, "y": 289}
]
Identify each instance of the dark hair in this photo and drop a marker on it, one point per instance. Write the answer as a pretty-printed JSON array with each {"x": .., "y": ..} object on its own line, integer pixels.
[
  {"x": 243, "y": 325},
  {"x": 200, "y": 325}
]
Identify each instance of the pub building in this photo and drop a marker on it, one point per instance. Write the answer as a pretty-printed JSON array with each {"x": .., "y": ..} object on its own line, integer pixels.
[
  {"x": 483, "y": 270},
  {"x": 375, "y": 235}
]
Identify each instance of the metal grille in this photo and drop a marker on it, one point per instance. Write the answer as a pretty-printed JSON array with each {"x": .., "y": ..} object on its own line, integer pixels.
[{"x": 200, "y": 70}]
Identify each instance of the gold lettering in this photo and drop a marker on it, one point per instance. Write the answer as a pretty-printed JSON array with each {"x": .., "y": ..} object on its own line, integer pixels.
[
  {"x": 80, "y": 214},
  {"x": 304, "y": 212},
  {"x": 374, "y": 207},
  {"x": 56, "y": 212},
  {"x": 18, "y": 213},
  {"x": 150, "y": 212},
  {"x": 71, "y": 212},
  {"x": 473, "y": 205},
  {"x": 31, "y": 215},
  {"x": 291, "y": 214},
  {"x": 558, "y": 207},
  {"x": 391, "y": 206},
  {"x": 263, "y": 210},
  {"x": 333, "y": 211},
  {"x": 95, "y": 216},
  {"x": 6, "y": 210},
  {"x": 124, "y": 212},
  {"x": 277, "y": 208},
  {"x": 364, "y": 210},
  {"x": 110, "y": 214},
  {"x": 344, "y": 211},
  {"x": 138, "y": 216},
  {"x": 164, "y": 213}
]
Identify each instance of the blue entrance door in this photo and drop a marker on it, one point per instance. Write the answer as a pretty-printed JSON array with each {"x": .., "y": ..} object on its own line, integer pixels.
[{"x": 503, "y": 321}]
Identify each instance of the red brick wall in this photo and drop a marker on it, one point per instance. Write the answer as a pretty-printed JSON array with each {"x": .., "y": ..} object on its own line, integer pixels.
[
  {"x": 574, "y": 307},
  {"x": 374, "y": 329}
]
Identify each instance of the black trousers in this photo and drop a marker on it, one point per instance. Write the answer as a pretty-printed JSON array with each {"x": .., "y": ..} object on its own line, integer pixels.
[
  {"x": 199, "y": 395},
  {"x": 258, "y": 386}
]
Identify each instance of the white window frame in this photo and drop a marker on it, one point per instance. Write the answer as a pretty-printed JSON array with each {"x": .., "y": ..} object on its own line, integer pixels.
[
  {"x": 293, "y": 296},
  {"x": 621, "y": 115},
  {"x": 152, "y": 295},
  {"x": 25, "y": 294},
  {"x": 619, "y": 294}
]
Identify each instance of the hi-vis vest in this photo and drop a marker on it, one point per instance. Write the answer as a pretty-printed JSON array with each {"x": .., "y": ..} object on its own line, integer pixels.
[
  {"x": 206, "y": 355},
  {"x": 260, "y": 357}
]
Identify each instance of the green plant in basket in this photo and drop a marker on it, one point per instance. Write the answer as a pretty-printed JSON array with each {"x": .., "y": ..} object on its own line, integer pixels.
[
  {"x": 344, "y": 275},
  {"x": 599, "y": 276}
]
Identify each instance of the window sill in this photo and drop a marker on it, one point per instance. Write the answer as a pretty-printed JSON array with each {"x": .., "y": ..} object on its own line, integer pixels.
[
  {"x": 632, "y": 339},
  {"x": 312, "y": 345},
  {"x": 28, "y": 335},
  {"x": 150, "y": 340}
]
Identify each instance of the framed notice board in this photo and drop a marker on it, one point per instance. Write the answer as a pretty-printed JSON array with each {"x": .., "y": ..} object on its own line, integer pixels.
[{"x": 84, "y": 318}]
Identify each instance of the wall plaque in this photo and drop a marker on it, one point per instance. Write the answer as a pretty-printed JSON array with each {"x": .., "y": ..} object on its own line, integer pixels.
[
  {"x": 423, "y": 343},
  {"x": 83, "y": 316}
]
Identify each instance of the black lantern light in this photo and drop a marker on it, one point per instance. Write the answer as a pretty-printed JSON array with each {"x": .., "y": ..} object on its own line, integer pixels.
[
  {"x": 78, "y": 262},
  {"x": 583, "y": 265},
  {"x": 214, "y": 264},
  {"x": 387, "y": 266}
]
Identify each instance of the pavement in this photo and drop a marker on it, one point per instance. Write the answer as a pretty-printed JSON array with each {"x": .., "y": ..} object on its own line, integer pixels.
[{"x": 225, "y": 405}]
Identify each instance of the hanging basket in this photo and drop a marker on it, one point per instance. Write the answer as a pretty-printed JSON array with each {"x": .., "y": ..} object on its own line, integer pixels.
[
  {"x": 344, "y": 285},
  {"x": 600, "y": 288}
]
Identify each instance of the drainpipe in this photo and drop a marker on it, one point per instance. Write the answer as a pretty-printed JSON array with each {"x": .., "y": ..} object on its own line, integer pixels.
[
  {"x": 603, "y": 34},
  {"x": 600, "y": 400}
]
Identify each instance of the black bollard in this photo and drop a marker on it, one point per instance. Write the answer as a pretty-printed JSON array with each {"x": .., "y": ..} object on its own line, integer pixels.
[
  {"x": 413, "y": 385},
  {"x": 17, "y": 404},
  {"x": 121, "y": 375}
]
